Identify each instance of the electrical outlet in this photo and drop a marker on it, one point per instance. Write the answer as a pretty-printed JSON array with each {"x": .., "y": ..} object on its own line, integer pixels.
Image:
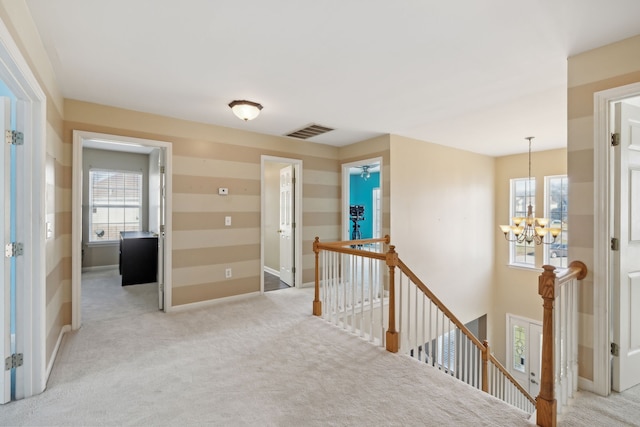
[
  {"x": 227, "y": 221},
  {"x": 227, "y": 273}
]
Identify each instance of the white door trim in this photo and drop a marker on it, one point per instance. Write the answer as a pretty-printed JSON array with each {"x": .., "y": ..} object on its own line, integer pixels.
[
  {"x": 346, "y": 193},
  {"x": 76, "y": 214},
  {"x": 602, "y": 271},
  {"x": 297, "y": 196},
  {"x": 31, "y": 302}
]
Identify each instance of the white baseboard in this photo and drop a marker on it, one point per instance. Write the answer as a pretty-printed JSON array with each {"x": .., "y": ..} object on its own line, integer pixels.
[
  {"x": 211, "y": 302},
  {"x": 271, "y": 271},
  {"x": 586, "y": 385},
  {"x": 99, "y": 268},
  {"x": 64, "y": 330}
]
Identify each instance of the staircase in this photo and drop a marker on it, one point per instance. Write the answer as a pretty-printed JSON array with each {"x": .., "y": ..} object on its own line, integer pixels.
[{"x": 364, "y": 287}]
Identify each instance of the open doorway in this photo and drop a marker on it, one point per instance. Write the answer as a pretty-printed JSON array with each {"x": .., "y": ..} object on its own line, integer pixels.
[
  {"x": 121, "y": 226},
  {"x": 281, "y": 243},
  {"x": 361, "y": 199}
]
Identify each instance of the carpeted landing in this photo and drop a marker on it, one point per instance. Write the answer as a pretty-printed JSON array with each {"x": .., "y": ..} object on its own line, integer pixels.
[{"x": 259, "y": 361}]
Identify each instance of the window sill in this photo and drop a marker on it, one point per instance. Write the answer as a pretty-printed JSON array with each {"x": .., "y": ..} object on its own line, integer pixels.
[
  {"x": 105, "y": 243},
  {"x": 525, "y": 267}
]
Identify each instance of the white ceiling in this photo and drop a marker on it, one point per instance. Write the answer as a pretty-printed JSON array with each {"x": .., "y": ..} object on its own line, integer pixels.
[{"x": 477, "y": 75}]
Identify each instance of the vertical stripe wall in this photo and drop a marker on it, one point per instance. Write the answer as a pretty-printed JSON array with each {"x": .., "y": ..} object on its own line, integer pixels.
[
  {"x": 206, "y": 157},
  {"x": 607, "y": 67}
]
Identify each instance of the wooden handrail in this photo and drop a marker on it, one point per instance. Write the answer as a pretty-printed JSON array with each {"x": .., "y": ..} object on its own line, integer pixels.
[
  {"x": 549, "y": 283},
  {"x": 386, "y": 239},
  {"x": 416, "y": 281},
  {"x": 511, "y": 379},
  {"x": 392, "y": 336}
]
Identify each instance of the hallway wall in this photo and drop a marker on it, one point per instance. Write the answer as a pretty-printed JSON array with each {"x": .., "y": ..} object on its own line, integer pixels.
[
  {"x": 206, "y": 157},
  {"x": 607, "y": 67}
]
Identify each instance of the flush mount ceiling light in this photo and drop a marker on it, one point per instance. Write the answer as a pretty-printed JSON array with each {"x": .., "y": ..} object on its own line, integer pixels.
[
  {"x": 245, "y": 110},
  {"x": 365, "y": 174}
]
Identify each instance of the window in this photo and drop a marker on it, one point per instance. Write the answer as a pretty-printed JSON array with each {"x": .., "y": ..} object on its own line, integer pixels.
[
  {"x": 556, "y": 195},
  {"x": 522, "y": 253},
  {"x": 115, "y": 199}
]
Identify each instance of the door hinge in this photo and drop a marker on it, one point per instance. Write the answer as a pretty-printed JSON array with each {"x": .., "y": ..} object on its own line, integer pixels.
[
  {"x": 13, "y": 137},
  {"x": 13, "y": 361},
  {"x": 615, "y": 244},
  {"x": 615, "y": 139},
  {"x": 13, "y": 249},
  {"x": 615, "y": 349},
  {"x": 293, "y": 225},
  {"x": 162, "y": 228},
  {"x": 161, "y": 169},
  {"x": 293, "y": 270}
]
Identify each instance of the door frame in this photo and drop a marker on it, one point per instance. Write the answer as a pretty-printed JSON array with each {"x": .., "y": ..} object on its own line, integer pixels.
[
  {"x": 509, "y": 343},
  {"x": 79, "y": 137},
  {"x": 346, "y": 194},
  {"x": 603, "y": 268},
  {"x": 297, "y": 215},
  {"x": 31, "y": 119}
]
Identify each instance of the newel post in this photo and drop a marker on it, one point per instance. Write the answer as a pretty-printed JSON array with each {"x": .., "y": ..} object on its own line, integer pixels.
[
  {"x": 485, "y": 366},
  {"x": 317, "y": 304},
  {"x": 392, "y": 334},
  {"x": 546, "y": 405}
]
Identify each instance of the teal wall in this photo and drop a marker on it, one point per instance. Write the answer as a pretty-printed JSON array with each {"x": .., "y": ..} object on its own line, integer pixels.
[{"x": 361, "y": 193}]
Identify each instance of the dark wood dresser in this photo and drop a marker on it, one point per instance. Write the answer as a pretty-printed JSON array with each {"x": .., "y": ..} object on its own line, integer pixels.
[{"x": 138, "y": 257}]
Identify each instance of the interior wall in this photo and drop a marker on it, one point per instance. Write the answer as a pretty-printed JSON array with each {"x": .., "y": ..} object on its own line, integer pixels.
[
  {"x": 17, "y": 19},
  {"x": 205, "y": 158},
  {"x": 103, "y": 254},
  {"x": 516, "y": 288},
  {"x": 272, "y": 215},
  {"x": 368, "y": 149},
  {"x": 442, "y": 217},
  {"x": 607, "y": 67}
]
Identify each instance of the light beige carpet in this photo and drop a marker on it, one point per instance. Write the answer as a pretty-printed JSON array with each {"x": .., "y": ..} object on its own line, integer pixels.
[
  {"x": 260, "y": 361},
  {"x": 588, "y": 409}
]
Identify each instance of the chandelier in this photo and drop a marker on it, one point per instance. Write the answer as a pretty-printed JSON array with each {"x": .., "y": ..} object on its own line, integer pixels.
[{"x": 529, "y": 229}]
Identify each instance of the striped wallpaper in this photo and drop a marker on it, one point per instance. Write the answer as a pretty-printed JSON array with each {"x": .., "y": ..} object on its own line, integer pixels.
[
  {"x": 604, "y": 68},
  {"x": 207, "y": 157}
]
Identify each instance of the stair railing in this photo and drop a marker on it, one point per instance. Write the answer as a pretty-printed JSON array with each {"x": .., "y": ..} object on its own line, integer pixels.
[
  {"x": 559, "y": 375},
  {"x": 366, "y": 289}
]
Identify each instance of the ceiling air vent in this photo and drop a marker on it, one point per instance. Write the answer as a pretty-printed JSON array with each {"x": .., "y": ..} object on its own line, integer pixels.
[{"x": 309, "y": 132}]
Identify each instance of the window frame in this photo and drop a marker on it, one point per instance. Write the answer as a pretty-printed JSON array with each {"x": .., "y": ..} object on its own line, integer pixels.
[
  {"x": 564, "y": 218},
  {"x": 91, "y": 240},
  {"x": 513, "y": 209}
]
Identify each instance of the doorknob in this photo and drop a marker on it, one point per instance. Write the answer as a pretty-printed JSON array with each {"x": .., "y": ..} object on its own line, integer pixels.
[{"x": 533, "y": 381}]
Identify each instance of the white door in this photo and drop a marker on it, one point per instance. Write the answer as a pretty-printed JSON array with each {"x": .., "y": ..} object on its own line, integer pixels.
[
  {"x": 5, "y": 265},
  {"x": 161, "y": 231},
  {"x": 626, "y": 261},
  {"x": 377, "y": 214},
  {"x": 286, "y": 227},
  {"x": 524, "y": 352}
]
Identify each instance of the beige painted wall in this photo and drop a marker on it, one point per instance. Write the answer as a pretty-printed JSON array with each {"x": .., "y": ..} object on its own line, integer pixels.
[
  {"x": 16, "y": 17},
  {"x": 442, "y": 216},
  {"x": 610, "y": 66},
  {"x": 516, "y": 288}
]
